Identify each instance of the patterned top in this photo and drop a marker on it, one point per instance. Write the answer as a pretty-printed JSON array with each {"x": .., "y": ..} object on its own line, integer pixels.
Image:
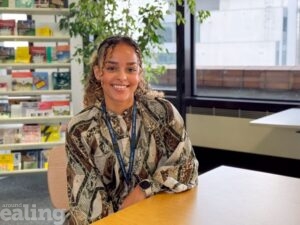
[{"x": 163, "y": 155}]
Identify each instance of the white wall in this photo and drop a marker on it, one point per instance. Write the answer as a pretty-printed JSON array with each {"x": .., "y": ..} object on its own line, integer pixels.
[{"x": 237, "y": 134}]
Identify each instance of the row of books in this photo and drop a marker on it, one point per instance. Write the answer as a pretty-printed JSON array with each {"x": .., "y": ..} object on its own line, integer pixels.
[
  {"x": 30, "y": 81},
  {"x": 34, "y": 109},
  {"x": 25, "y": 159},
  {"x": 31, "y": 133},
  {"x": 35, "y": 54},
  {"x": 10, "y": 27},
  {"x": 34, "y": 3}
]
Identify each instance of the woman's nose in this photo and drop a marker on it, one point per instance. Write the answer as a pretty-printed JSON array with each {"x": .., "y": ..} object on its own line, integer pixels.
[{"x": 122, "y": 75}]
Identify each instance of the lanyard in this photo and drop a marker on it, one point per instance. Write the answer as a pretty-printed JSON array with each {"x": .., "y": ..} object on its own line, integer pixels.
[{"x": 128, "y": 174}]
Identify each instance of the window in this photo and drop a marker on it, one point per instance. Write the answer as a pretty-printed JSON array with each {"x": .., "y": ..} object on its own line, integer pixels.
[{"x": 249, "y": 50}]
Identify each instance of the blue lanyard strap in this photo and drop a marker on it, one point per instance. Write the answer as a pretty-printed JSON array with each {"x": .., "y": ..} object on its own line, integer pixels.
[{"x": 127, "y": 175}]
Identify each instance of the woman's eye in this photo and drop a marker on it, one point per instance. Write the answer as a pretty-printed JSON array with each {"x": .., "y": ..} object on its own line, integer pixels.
[
  {"x": 111, "y": 68},
  {"x": 132, "y": 70}
]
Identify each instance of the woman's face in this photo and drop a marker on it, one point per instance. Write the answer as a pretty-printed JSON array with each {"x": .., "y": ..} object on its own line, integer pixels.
[{"x": 119, "y": 76}]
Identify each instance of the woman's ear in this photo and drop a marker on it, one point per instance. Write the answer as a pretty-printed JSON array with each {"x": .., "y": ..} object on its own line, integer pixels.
[{"x": 97, "y": 72}]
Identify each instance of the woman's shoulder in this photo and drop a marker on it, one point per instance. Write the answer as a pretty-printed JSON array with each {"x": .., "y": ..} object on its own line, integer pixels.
[
  {"x": 84, "y": 117},
  {"x": 158, "y": 107}
]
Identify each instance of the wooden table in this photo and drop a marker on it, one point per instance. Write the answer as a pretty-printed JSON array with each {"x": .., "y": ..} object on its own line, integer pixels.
[
  {"x": 289, "y": 118},
  {"x": 224, "y": 196}
]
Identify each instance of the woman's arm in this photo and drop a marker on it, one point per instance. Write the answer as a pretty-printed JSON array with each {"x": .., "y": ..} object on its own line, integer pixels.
[
  {"x": 88, "y": 199},
  {"x": 177, "y": 169}
]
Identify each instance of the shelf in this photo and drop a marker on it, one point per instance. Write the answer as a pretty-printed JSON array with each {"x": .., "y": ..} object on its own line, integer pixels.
[
  {"x": 35, "y": 11},
  {"x": 15, "y": 172},
  {"x": 33, "y": 145},
  {"x": 34, "y": 93},
  {"x": 34, "y": 65},
  {"x": 35, "y": 38},
  {"x": 33, "y": 120}
]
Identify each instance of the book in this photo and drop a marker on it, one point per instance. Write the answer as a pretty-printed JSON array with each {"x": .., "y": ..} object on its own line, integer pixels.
[
  {"x": 26, "y": 27},
  {"x": 61, "y": 80},
  {"x": 11, "y": 135},
  {"x": 24, "y": 3},
  {"x": 4, "y": 109},
  {"x": 7, "y": 54},
  {"x": 6, "y": 162},
  {"x": 22, "y": 55},
  {"x": 51, "y": 54},
  {"x": 61, "y": 108},
  {"x": 45, "y": 108},
  {"x": 29, "y": 108},
  {"x": 38, "y": 54},
  {"x": 17, "y": 160},
  {"x": 7, "y": 27},
  {"x": 50, "y": 133},
  {"x": 43, "y": 31},
  {"x": 21, "y": 81},
  {"x": 5, "y": 83},
  {"x": 30, "y": 159},
  {"x": 43, "y": 162},
  {"x": 31, "y": 133},
  {"x": 63, "y": 53},
  {"x": 40, "y": 81}
]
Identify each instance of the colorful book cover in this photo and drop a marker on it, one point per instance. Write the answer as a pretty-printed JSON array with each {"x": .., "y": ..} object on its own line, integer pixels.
[
  {"x": 63, "y": 53},
  {"x": 6, "y": 162},
  {"x": 44, "y": 31},
  {"x": 7, "y": 54},
  {"x": 45, "y": 108},
  {"x": 11, "y": 135},
  {"x": 61, "y": 108},
  {"x": 26, "y": 27},
  {"x": 38, "y": 54},
  {"x": 24, "y": 3},
  {"x": 4, "y": 109},
  {"x": 5, "y": 83},
  {"x": 31, "y": 133},
  {"x": 17, "y": 160},
  {"x": 7, "y": 27},
  {"x": 29, "y": 108},
  {"x": 40, "y": 81},
  {"x": 61, "y": 80},
  {"x": 21, "y": 81},
  {"x": 43, "y": 159},
  {"x": 30, "y": 159},
  {"x": 22, "y": 55},
  {"x": 50, "y": 133}
]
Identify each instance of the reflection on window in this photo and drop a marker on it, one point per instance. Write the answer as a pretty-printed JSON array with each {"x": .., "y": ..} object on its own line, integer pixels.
[
  {"x": 249, "y": 49},
  {"x": 167, "y": 81}
]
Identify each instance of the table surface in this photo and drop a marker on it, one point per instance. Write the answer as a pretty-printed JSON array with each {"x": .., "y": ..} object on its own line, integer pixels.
[
  {"x": 224, "y": 196},
  {"x": 289, "y": 118}
]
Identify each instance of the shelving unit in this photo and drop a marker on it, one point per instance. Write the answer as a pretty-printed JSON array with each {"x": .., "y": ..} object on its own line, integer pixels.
[{"x": 8, "y": 95}]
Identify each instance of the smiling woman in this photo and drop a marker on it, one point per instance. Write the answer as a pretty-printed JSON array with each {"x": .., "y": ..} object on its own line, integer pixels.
[{"x": 128, "y": 143}]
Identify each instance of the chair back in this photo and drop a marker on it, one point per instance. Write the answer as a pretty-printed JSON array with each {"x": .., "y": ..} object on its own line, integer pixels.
[{"x": 57, "y": 177}]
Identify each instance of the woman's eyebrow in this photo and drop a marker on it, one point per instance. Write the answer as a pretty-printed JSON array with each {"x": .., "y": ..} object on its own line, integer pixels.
[{"x": 115, "y": 63}]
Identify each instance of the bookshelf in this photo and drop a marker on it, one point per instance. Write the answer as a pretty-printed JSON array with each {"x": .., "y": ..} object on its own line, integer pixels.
[{"x": 33, "y": 95}]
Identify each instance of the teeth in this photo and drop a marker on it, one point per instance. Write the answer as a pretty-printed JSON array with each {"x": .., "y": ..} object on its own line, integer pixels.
[{"x": 119, "y": 86}]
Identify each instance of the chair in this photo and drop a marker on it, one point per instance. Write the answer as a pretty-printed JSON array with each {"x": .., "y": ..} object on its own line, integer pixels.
[{"x": 57, "y": 177}]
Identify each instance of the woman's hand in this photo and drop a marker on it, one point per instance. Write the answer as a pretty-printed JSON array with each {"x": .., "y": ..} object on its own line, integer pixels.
[{"x": 135, "y": 196}]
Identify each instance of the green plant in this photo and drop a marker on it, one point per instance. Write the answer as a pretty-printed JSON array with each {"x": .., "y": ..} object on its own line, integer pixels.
[{"x": 96, "y": 20}]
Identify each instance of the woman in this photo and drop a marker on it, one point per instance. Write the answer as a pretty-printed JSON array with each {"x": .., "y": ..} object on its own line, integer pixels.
[{"x": 128, "y": 143}]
